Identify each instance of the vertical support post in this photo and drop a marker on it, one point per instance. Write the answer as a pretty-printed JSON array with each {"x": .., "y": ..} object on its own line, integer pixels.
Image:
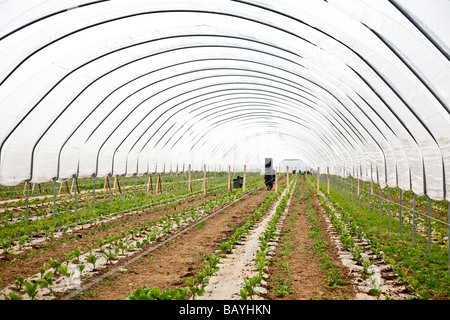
[
  {"x": 429, "y": 225},
  {"x": 123, "y": 189},
  {"x": 145, "y": 184},
  {"x": 93, "y": 193},
  {"x": 229, "y": 178},
  {"x": 60, "y": 188},
  {"x": 380, "y": 201},
  {"x": 117, "y": 183},
  {"x": 204, "y": 180},
  {"x": 358, "y": 185},
  {"x": 109, "y": 189},
  {"x": 190, "y": 180},
  {"x": 373, "y": 197},
  {"x": 150, "y": 184},
  {"x": 74, "y": 183},
  {"x": 158, "y": 184},
  {"x": 400, "y": 212},
  {"x": 67, "y": 188},
  {"x": 27, "y": 202},
  {"x": 351, "y": 188},
  {"x": 371, "y": 188},
  {"x": 389, "y": 207},
  {"x": 54, "y": 198},
  {"x": 328, "y": 180},
  {"x": 135, "y": 191},
  {"x": 318, "y": 179},
  {"x": 359, "y": 192},
  {"x": 448, "y": 240},
  {"x": 245, "y": 177},
  {"x": 414, "y": 219}
]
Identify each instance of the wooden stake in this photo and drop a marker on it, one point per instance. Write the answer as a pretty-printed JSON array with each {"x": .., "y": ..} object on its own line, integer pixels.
[
  {"x": 106, "y": 184},
  {"x": 190, "y": 180},
  {"x": 245, "y": 176},
  {"x": 117, "y": 184},
  {"x": 71, "y": 187},
  {"x": 25, "y": 187},
  {"x": 357, "y": 188},
  {"x": 204, "y": 180},
  {"x": 150, "y": 184},
  {"x": 60, "y": 188},
  {"x": 67, "y": 187},
  {"x": 158, "y": 184}
]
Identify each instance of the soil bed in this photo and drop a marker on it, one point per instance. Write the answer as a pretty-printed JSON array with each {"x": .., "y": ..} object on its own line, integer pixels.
[
  {"x": 181, "y": 258},
  {"x": 298, "y": 271},
  {"x": 29, "y": 262},
  {"x": 168, "y": 265}
]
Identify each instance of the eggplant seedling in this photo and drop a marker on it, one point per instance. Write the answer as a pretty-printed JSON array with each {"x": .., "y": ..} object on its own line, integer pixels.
[
  {"x": 225, "y": 247},
  {"x": 81, "y": 267},
  {"x": 55, "y": 264},
  {"x": 109, "y": 256},
  {"x": 77, "y": 252},
  {"x": 92, "y": 259},
  {"x": 366, "y": 264},
  {"x": 100, "y": 242},
  {"x": 47, "y": 281},
  {"x": 64, "y": 270},
  {"x": 19, "y": 282},
  {"x": 31, "y": 289},
  {"x": 69, "y": 256},
  {"x": 43, "y": 269},
  {"x": 13, "y": 296}
]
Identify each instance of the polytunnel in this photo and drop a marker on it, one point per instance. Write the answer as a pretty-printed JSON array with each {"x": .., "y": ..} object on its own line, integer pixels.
[{"x": 125, "y": 87}]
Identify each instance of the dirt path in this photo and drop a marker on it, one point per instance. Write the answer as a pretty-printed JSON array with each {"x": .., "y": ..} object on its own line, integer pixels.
[
  {"x": 239, "y": 265},
  {"x": 295, "y": 272}
]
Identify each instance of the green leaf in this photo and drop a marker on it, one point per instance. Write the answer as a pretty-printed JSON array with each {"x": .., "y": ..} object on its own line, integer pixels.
[{"x": 243, "y": 294}]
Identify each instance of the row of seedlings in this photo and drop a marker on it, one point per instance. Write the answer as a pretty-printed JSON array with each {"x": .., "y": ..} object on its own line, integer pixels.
[
  {"x": 375, "y": 273},
  {"x": 432, "y": 221},
  {"x": 196, "y": 285},
  {"x": 252, "y": 286},
  {"x": 57, "y": 276},
  {"x": 16, "y": 237},
  {"x": 426, "y": 261}
]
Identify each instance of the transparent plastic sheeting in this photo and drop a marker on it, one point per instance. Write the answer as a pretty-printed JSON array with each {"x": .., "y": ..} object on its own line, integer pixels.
[{"x": 126, "y": 87}]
